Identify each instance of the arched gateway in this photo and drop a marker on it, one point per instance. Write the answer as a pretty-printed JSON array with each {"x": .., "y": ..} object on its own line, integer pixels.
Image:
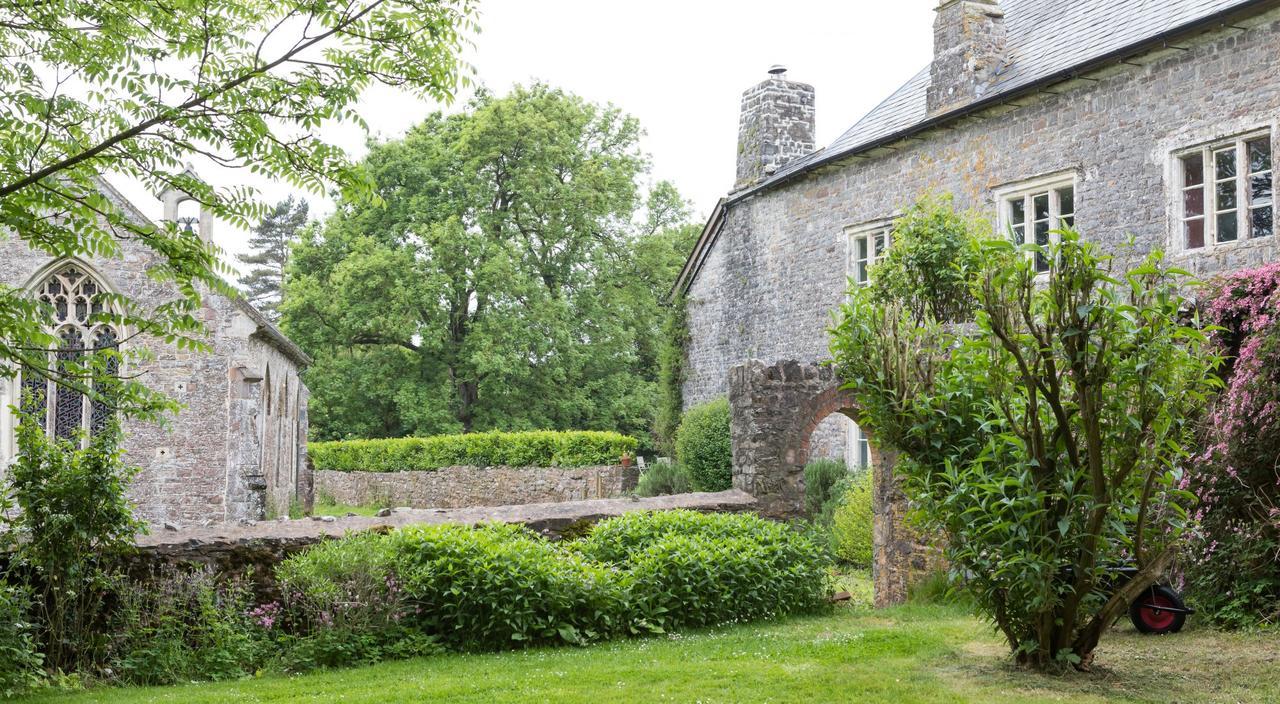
[{"x": 774, "y": 410}]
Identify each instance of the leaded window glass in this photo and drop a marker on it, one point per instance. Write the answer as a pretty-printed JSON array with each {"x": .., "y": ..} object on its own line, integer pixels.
[{"x": 76, "y": 303}]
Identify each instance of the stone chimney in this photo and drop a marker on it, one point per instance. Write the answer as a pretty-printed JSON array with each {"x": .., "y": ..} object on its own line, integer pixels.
[
  {"x": 968, "y": 49},
  {"x": 775, "y": 127}
]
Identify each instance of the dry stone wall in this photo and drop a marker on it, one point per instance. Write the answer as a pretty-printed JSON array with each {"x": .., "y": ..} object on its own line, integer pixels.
[
  {"x": 255, "y": 548},
  {"x": 459, "y": 487}
]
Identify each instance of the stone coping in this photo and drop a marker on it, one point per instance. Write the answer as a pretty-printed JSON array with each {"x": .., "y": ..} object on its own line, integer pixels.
[{"x": 546, "y": 518}]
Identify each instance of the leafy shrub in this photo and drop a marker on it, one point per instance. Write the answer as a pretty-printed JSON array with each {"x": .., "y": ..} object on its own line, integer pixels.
[
  {"x": 343, "y": 605},
  {"x": 497, "y": 586},
  {"x": 1234, "y": 571},
  {"x": 932, "y": 261},
  {"x": 702, "y": 579},
  {"x": 618, "y": 540},
  {"x": 500, "y": 586},
  {"x": 1070, "y": 400},
  {"x": 19, "y": 659},
  {"x": 852, "y": 521},
  {"x": 662, "y": 478},
  {"x": 73, "y": 523},
  {"x": 182, "y": 625},
  {"x": 703, "y": 447},
  {"x": 529, "y": 449},
  {"x": 822, "y": 479}
]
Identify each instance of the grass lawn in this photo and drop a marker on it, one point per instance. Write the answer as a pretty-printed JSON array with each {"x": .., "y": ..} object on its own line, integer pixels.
[
  {"x": 909, "y": 654},
  {"x": 335, "y": 509}
]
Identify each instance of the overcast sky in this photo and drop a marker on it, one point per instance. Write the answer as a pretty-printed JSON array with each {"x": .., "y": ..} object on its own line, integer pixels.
[{"x": 680, "y": 66}]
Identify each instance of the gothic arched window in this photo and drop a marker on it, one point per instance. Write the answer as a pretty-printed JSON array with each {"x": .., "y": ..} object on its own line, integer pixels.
[{"x": 75, "y": 298}]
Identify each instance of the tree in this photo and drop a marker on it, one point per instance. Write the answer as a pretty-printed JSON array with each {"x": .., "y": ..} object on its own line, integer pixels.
[
  {"x": 139, "y": 88},
  {"x": 501, "y": 283},
  {"x": 271, "y": 242},
  {"x": 1044, "y": 441}
]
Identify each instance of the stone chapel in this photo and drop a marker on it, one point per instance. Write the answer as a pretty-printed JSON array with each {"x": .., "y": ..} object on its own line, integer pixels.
[
  {"x": 1151, "y": 120},
  {"x": 237, "y": 450}
]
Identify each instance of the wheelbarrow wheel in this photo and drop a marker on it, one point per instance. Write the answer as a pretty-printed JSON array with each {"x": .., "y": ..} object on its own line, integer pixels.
[{"x": 1150, "y": 612}]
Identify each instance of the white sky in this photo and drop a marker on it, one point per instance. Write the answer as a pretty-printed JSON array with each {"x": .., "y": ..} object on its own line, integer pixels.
[{"x": 678, "y": 66}]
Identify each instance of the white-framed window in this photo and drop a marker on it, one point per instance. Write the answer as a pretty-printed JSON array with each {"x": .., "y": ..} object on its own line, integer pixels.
[
  {"x": 1226, "y": 192},
  {"x": 868, "y": 244},
  {"x": 858, "y": 456},
  {"x": 1033, "y": 211},
  {"x": 75, "y": 298}
]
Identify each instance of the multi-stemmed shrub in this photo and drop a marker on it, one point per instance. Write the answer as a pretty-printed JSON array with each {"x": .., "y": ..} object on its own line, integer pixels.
[
  {"x": 72, "y": 525},
  {"x": 1044, "y": 440},
  {"x": 703, "y": 447},
  {"x": 527, "y": 449}
]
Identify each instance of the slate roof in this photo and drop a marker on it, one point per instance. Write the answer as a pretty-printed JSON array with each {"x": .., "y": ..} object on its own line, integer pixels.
[{"x": 1048, "y": 40}]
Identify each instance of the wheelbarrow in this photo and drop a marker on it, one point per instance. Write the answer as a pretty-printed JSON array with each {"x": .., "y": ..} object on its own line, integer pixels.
[{"x": 1158, "y": 610}]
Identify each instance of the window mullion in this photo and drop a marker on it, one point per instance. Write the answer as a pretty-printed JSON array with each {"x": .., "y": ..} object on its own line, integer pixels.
[
  {"x": 1210, "y": 197},
  {"x": 1242, "y": 193}
]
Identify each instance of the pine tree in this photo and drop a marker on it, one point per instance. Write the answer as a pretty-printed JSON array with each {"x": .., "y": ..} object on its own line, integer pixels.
[{"x": 271, "y": 241}]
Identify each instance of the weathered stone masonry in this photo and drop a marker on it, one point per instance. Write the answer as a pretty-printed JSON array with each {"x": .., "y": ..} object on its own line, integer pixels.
[
  {"x": 778, "y": 266},
  {"x": 773, "y": 262},
  {"x": 459, "y": 487},
  {"x": 227, "y": 455}
]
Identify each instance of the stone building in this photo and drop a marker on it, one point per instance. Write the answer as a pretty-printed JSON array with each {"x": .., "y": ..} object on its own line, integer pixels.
[
  {"x": 237, "y": 449},
  {"x": 1154, "y": 120}
]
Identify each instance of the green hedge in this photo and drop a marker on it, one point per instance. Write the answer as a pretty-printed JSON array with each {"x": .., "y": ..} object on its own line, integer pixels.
[{"x": 530, "y": 449}]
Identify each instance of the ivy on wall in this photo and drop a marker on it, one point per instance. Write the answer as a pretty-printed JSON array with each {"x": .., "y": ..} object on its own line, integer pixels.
[{"x": 671, "y": 374}]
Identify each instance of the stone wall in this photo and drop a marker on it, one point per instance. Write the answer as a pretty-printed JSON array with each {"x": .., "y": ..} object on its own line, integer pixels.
[
  {"x": 223, "y": 456},
  {"x": 774, "y": 411},
  {"x": 458, "y": 487},
  {"x": 778, "y": 267},
  {"x": 233, "y": 548}
]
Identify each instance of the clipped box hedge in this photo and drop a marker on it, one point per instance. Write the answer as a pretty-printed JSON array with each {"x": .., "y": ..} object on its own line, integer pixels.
[{"x": 579, "y": 448}]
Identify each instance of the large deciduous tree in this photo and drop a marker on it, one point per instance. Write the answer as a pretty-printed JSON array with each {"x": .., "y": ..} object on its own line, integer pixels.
[
  {"x": 510, "y": 278},
  {"x": 135, "y": 88},
  {"x": 1044, "y": 441},
  {"x": 271, "y": 243}
]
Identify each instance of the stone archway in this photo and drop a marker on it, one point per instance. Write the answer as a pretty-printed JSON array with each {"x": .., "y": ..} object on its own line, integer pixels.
[{"x": 774, "y": 409}]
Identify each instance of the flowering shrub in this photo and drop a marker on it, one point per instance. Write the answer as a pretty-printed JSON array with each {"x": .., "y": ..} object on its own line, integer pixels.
[
  {"x": 1234, "y": 573},
  {"x": 180, "y": 625},
  {"x": 343, "y": 605}
]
